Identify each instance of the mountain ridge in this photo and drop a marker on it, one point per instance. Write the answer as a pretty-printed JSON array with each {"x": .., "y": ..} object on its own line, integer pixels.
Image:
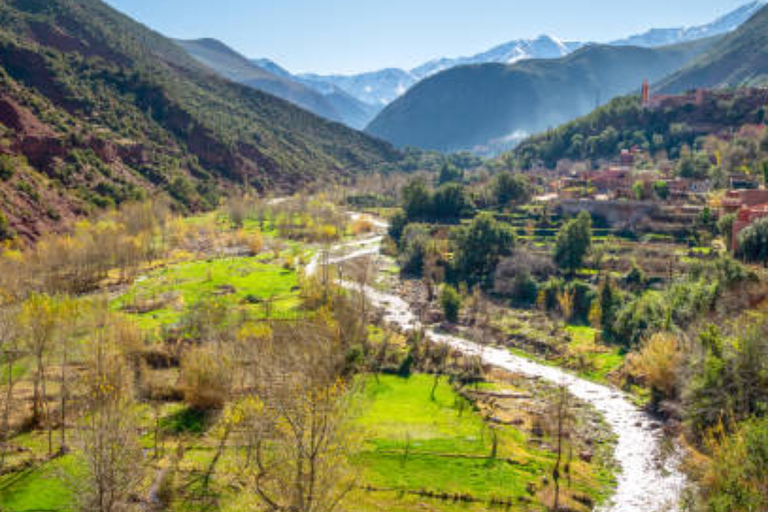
[
  {"x": 380, "y": 87},
  {"x": 474, "y": 106}
]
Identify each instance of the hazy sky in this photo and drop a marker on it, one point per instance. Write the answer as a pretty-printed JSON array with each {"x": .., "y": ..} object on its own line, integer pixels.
[{"x": 348, "y": 36}]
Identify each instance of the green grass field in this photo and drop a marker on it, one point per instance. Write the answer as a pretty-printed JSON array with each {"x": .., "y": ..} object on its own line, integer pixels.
[
  {"x": 414, "y": 443},
  {"x": 41, "y": 488},
  {"x": 244, "y": 282}
]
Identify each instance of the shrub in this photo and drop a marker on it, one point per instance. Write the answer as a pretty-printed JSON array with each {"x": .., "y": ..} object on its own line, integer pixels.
[
  {"x": 639, "y": 318},
  {"x": 255, "y": 242},
  {"x": 450, "y": 301},
  {"x": 7, "y": 167},
  {"x": 735, "y": 480},
  {"x": 205, "y": 378},
  {"x": 6, "y": 232},
  {"x": 657, "y": 365},
  {"x": 361, "y": 226}
]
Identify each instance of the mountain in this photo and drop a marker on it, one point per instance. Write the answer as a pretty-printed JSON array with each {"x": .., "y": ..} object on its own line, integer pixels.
[
  {"x": 486, "y": 107},
  {"x": 722, "y": 25},
  {"x": 375, "y": 88},
  {"x": 96, "y": 109},
  {"x": 379, "y": 88},
  {"x": 543, "y": 47},
  {"x": 271, "y": 78},
  {"x": 228, "y": 63},
  {"x": 739, "y": 59}
]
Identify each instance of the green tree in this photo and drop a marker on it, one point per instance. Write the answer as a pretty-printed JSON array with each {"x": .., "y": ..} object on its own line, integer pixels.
[
  {"x": 736, "y": 476},
  {"x": 479, "y": 247},
  {"x": 509, "y": 187},
  {"x": 610, "y": 302},
  {"x": 451, "y": 202},
  {"x": 449, "y": 173},
  {"x": 661, "y": 189},
  {"x": 414, "y": 246},
  {"x": 753, "y": 242},
  {"x": 764, "y": 168},
  {"x": 450, "y": 301},
  {"x": 573, "y": 242},
  {"x": 725, "y": 227},
  {"x": 417, "y": 199}
]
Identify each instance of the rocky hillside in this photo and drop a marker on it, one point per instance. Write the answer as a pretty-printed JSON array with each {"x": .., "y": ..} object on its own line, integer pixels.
[{"x": 96, "y": 109}]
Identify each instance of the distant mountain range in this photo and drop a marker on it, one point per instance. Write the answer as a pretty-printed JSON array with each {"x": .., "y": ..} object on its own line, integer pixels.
[
  {"x": 487, "y": 108},
  {"x": 357, "y": 99},
  {"x": 722, "y": 25},
  {"x": 379, "y": 88},
  {"x": 332, "y": 103}
]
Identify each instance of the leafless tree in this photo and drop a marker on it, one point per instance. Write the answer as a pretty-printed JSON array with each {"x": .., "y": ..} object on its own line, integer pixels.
[
  {"x": 108, "y": 435},
  {"x": 10, "y": 353},
  {"x": 294, "y": 422}
]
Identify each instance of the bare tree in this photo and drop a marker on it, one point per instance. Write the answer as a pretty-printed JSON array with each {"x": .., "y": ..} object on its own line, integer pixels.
[
  {"x": 108, "y": 435},
  {"x": 39, "y": 319},
  {"x": 9, "y": 355},
  {"x": 294, "y": 423},
  {"x": 561, "y": 417}
]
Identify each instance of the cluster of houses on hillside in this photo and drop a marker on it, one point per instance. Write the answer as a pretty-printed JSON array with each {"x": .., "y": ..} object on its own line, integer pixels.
[
  {"x": 622, "y": 181},
  {"x": 624, "y": 195}
]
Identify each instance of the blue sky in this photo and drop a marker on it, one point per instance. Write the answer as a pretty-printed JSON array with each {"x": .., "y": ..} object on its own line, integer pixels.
[{"x": 349, "y": 36}]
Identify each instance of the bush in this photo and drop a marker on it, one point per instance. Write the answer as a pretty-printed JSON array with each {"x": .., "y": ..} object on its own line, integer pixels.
[
  {"x": 640, "y": 318},
  {"x": 450, "y": 301},
  {"x": 361, "y": 226},
  {"x": 255, "y": 242},
  {"x": 6, "y": 232},
  {"x": 205, "y": 379},
  {"x": 414, "y": 245},
  {"x": 657, "y": 365},
  {"x": 7, "y": 167},
  {"x": 735, "y": 480}
]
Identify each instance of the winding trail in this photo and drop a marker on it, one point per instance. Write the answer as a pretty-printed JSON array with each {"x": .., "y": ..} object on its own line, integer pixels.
[{"x": 648, "y": 482}]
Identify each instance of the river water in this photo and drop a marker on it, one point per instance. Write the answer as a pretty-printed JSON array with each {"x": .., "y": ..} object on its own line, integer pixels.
[{"x": 647, "y": 482}]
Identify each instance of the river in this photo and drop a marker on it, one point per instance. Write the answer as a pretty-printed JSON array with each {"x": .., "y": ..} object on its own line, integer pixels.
[{"x": 647, "y": 481}]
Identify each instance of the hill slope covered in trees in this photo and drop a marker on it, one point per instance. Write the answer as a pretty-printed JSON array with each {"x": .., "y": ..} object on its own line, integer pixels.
[
  {"x": 624, "y": 124},
  {"x": 96, "y": 109}
]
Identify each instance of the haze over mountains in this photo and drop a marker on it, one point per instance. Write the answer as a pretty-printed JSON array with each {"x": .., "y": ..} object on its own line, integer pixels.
[
  {"x": 489, "y": 107},
  {"x": 331, "y": 103}
]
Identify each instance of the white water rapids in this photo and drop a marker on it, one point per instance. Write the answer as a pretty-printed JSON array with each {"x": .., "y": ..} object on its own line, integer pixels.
[{"x": 647, "y": 482}]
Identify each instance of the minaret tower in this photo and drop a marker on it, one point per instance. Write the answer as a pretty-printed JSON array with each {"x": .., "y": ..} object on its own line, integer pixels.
[{"x": 646, "y": 93}]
